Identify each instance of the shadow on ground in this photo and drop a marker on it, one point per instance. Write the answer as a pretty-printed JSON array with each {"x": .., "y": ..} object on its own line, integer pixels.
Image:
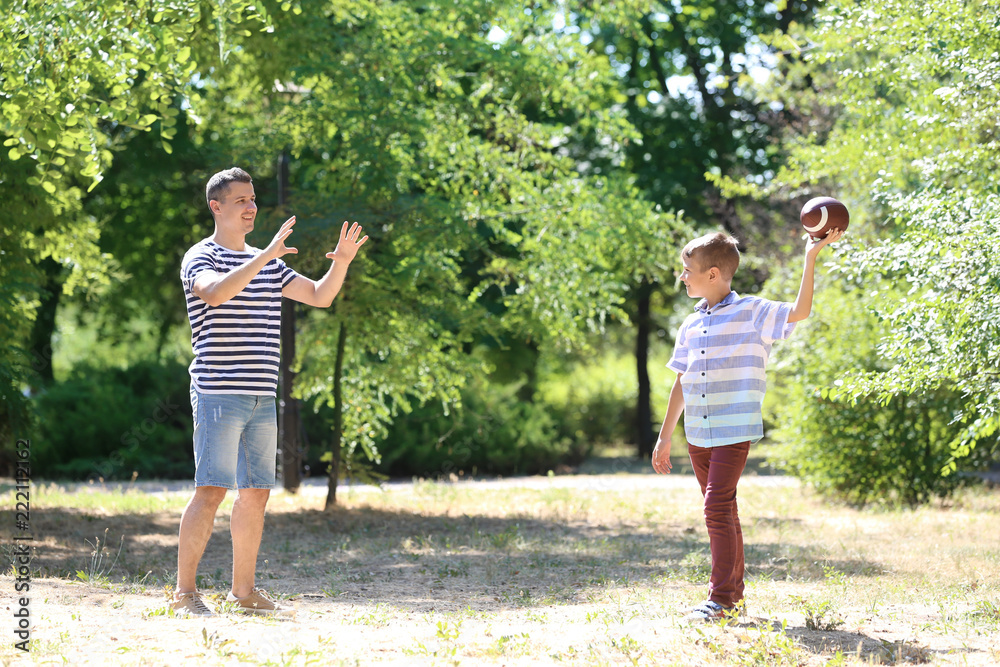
[
  {"x": 409, "y": 560},
  {"x": 872, "y": 650}
]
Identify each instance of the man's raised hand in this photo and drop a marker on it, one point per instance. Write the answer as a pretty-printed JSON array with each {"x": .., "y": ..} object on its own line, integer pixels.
[
  {"x": 277, "y": 247},
  {"x": 348, "y": 246}
]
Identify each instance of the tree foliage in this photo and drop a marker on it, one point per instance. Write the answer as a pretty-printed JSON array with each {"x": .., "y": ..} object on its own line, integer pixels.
[
  {"x": 685, "y": 69},
  {"x": 688, "y": 70},
  {"x": 873, "y": 451},
  {"x": 442, "y": 127},
  {"x": 74, "y": 76},
  {"x": 912, "y": 143}
]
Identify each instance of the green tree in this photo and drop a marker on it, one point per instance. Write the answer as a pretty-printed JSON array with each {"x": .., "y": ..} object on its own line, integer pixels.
[
  {"x": 149, "y": 217},
  {"x": 443, "y": 127},
  {"x": 869, "y": 452},
  {"x": 446, "y": 138},
  {"x": 686, "y": 69},
  {"x": 72, "y": 77},
  {"x": 911, "y": 143}
]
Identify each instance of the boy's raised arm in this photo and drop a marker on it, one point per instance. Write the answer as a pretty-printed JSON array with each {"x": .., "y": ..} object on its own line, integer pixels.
[{"x": 804, "y": 300}]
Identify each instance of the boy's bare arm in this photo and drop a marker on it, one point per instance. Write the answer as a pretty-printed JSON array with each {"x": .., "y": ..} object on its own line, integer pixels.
[
  {"x": 804, "y": 300},
  {"x": 661, "y": 453}
]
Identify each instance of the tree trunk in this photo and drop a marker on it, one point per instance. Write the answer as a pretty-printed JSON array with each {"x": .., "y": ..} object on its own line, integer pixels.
[
  {"x": 644, "y": 427},
  {"x": 338, "y": 420},
  {"x": 289, "y": 433},
  {"x": 530, "y": 352},
  {"x": 44, "y": 326}
]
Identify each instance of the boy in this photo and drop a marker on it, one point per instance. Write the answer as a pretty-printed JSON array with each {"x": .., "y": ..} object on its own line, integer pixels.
[
  {"x": 233, "y": 294},
  {"x": 720, "y": 355}
]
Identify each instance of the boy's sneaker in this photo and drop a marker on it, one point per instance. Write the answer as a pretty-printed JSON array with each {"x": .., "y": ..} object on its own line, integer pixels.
[
  {"x": 191, "y": 604},
  {"x": 709, "y": 611},
  {"x": 259, "y": 602}
]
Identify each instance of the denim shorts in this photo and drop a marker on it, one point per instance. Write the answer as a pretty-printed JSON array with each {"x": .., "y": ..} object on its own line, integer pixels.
[{"x": 235, "y": 440}]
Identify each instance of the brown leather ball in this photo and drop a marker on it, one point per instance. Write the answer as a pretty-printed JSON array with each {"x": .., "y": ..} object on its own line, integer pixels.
[{"x": 822, "y": 214}]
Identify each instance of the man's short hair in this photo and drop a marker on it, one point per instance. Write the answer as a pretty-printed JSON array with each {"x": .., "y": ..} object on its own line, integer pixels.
[
  {"x": 718, "y": 249},
  {"x": 218, "y": 185}
]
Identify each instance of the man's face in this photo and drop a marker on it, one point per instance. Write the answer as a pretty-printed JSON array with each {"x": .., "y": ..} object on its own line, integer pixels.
[
  {"x": 696, "y": 280},
  {"x": 237, "y": 209}
]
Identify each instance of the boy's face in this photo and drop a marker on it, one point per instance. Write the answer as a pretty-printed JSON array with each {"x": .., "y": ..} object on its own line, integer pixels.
[{"x": 698, "y": 281}]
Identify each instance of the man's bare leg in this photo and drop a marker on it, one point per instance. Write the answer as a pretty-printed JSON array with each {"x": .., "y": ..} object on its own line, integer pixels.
[
  {"x": 247, "y": 527},
  {"x": 196, "y": 529}
]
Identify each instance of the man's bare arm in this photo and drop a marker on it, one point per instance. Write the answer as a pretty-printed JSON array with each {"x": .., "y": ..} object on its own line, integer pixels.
[
  {"x": 217, "y": 288},
  {"x": 321, "y": 293}
]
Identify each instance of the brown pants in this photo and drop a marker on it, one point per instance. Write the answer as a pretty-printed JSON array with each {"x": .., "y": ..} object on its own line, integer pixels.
[{"x": 718, "y": 470}]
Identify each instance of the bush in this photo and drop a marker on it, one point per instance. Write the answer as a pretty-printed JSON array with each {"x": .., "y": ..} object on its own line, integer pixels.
[
  {"x": 865, "y": 452},
  {"x": 593, "y": 400},
  {"x": 112, "y": 423},
  {"x": 494, "y": 433}
]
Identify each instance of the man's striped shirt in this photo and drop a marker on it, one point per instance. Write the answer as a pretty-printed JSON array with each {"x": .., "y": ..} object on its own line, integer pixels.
[
  {"x": 722, "y": 352},
  {"x": 236, "y": 344}
]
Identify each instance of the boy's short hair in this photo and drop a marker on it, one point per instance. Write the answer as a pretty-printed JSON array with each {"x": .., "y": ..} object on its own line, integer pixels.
[
  {"x": 218, "y": 185},
  {"x": 718, "y": 249}
]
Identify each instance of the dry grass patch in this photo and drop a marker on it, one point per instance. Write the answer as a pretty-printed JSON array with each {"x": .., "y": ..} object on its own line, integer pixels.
[{"x": 571, "y": 570}]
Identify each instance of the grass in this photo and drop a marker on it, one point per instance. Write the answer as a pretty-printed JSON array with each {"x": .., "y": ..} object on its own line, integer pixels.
[{"x": 541, "y": 571}]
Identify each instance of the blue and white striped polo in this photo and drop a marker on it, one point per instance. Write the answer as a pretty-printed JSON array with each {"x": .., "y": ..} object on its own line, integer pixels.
[
  {"x": 722, "y": 352},
  {"x": 236, "y": 344}
]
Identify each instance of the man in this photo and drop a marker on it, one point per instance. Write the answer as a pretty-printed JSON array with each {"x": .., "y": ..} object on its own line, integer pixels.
[{"x": 233, "y": 294}]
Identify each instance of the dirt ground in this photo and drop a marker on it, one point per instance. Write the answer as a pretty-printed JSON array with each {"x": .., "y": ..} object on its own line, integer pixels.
[
  {"x": 536, "y": 571},
  {"x": 85, "y": 626}
]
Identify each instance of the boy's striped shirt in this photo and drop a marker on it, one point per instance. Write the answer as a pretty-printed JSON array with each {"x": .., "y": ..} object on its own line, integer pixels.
[
  {"x": 722, "y": 353},
  {"x": 236, "y": 344}
]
